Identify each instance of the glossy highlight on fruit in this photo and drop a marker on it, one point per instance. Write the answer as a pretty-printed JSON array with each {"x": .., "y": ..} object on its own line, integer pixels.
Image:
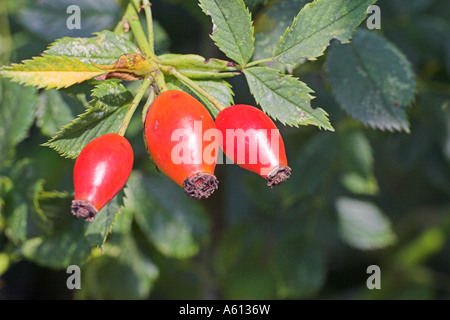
[
  {"x": 252, "y": 141},
  {"x": 174, "y": 130},
  {"x": 101, "y": 170}
]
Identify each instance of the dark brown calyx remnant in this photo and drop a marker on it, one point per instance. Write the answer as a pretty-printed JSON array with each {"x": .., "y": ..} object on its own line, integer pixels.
[
  {"x": 200, "y": 185},
  {"x": 278, "y": 175},
  {"x": 84, "y": 210}
]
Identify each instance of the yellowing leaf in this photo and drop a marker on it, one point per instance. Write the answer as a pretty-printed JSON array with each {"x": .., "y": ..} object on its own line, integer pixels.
[
  {"x": 50, "y": 72},
  {"x": 128, "y": 64}
]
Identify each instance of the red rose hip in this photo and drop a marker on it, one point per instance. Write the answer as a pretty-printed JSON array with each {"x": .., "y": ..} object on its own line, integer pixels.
[
  {"x": 101, "y": 170},
  {"x": 253, "y": 142},
  {"x": 174, "y": 128}
]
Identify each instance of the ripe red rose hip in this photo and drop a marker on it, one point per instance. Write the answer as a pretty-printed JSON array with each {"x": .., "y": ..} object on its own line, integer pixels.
[
  {"x": 252, "y": 141},
  {"x": 101, "y": 170},
  {"x": 174, "y": 129}
]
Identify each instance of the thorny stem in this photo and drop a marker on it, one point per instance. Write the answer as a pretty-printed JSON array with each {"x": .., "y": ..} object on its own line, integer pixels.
[
  {"x": 134, "y": 104},
  {"x": 172, "y": 71}
]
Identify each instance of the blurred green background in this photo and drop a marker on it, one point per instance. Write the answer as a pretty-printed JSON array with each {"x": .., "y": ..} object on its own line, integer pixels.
[{"x": 357, "y": 196}]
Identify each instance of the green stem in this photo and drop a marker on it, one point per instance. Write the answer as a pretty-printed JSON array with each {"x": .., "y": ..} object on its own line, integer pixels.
[
  {"x": 132, "y": 16},
  {"x": 150, "y": 36},
  {"x": 148, "y": 103},
  {"x": 160, "y": 81},
  {"x": 134, "y": 104},
  {"x": 172, "y": 71},
  {"x": 254, "y": 63}
]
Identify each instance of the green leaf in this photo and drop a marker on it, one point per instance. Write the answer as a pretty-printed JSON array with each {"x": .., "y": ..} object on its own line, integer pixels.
[
  {"x": 108, "y": 108},
  {"x": 242, "y": 260},
  {"x": 299, "y": 268},
  {"x": 271, "y": 24},
  {"x": 197, "y": 67},
  {"x": 137, "y": 273},
  {"x": 232, "y": 28},
  {"x": 176, "y": 227},
  {"x": 285, "y": 98},
  {"x": 105, "y": 48},
  {"x": 50, "y": 72},
  {"x": 70, "y": 242},
  {"x": 48, "y": 19},
  {"x": 372, "y": 81},
  {"x": 421, "y": 248},
  {"x": 219, "y": 89},
  {"x": 357, "y": 161},
  {"x": 23, "y": 218},
  {"x": 16, "y": 115},
  {"x": 52, "y": 112},
  {"x": 311, "y": 166},
  {"x": 363, "y": 226},
  {"x": 316, "y": 25},
  {"x": 358, "y": 184}
]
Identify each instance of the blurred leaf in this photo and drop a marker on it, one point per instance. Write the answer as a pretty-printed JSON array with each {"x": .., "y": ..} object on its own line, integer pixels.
[
  {"x": 16, "y": 116},
  {"x": 133, "y": 272},
  {"x": 23, "y": 218},
  {"x": 73, "y": 241},
  {"x": 52, "y": 203},
  {"x": 372, "y": 81},
  {"x": 174, "y": 224},
  {"x": 242, "y": 262},
  {"x": 50, "y": 72},
  {"x": 316, "y": 25},
  {"x": 52, "y": 112},
  {"x": 232, "y": 28},
  {"x": 363, "y": 226},
  {"x": 285, "y": 98},
  {"x": 161, "y": 38},
  {"x": 428, "y": 243},
  {"x": 4, "y": 263},
  {"x": 447, "y": 54},
  {"x": 357, "y": 162},
  {"x": 311, "y": 166},
  {"x": 48, "y": 19},
  {"x": 254, "y": 3},
  {"x": 409, "y": 6},
  {"x": 358, "y": 184},
  {"x": 108, "y": 108},
  {"x": 104, "y": 48},
  {"x": 250, "y": 283},
  {"x": 299, "y": 267},
  {"x": 240, "y": 245},
  {"x": 272, "y": 24},
  {"x": 355, "y": 152}
]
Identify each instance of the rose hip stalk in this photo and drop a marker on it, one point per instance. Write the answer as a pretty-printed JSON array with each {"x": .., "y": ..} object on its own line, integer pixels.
[
  {"x": 100, "y": 171},
  {"x": 252, "y": 141},
  {"x": 174, "y": 128}
]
